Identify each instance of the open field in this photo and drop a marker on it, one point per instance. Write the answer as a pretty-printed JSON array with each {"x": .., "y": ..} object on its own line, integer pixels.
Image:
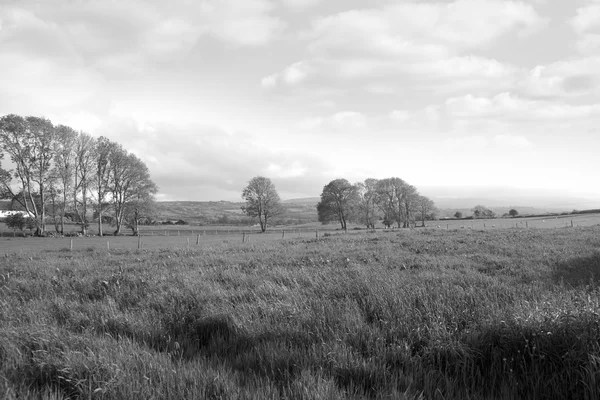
[
  {"x": 184, "y": 236},
  {"x": 430, "y": 314}
]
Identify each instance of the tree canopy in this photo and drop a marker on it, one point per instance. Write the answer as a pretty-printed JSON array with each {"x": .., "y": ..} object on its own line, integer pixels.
[
  {"x": 339, "y": 201},
  {"x": 262, "y": 200}
]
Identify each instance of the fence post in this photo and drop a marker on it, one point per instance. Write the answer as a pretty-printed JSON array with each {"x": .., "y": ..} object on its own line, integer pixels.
[
  {"x": 71, "y": 246},
  {"x": 198, "y": 240},
  {"x": 526, "y": 224},
  {"x": 188, "y": 241},
  {"x": 243, "y": 237},
  {"x": 139, "y": 241},
  {"x": 571, "y": 223},
  {"x": 317, "y": 233},
  {"x": 283, "y": 234}
]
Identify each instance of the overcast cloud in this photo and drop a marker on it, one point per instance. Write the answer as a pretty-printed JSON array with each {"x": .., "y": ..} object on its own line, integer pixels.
[{"x": 211, "y": 93}]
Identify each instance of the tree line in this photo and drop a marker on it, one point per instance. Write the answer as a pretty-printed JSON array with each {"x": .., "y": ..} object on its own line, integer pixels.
[
  {"x": 390, "y": 200},
  {"x": 59, "y": 174}
]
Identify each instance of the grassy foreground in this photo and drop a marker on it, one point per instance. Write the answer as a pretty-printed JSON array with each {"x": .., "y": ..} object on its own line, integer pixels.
[{"x": 427, "y": 314}]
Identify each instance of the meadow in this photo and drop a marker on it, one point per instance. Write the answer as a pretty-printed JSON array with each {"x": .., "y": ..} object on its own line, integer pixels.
[{"x": 411, "y": 314}]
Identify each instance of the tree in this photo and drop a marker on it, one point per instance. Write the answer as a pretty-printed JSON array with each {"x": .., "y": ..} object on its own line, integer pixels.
[
  {"x": 458, "y": 215},
  {"x": 262, "y": 200},
  {"x": 84, "y": 168},
  {"x": 425, "y": 208},
  {"x": 130, "y": 185},
  {"x": 104, "y": 148},
  {"x": 513, "y": 213},
  {"x": 30, "y": 143},
  {"x": 64, "y": 169},
  {"x": 367, "y": 210},
  {"x": 15, "y": 221},
  {"x": 339, "y": 201},
  {"x": 141, "y": 208},
  {"x": 480, "y": 211},
  {"x": 397, "y": 200}
]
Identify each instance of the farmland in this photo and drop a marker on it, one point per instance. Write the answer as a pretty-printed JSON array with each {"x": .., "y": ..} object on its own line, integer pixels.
[{"x": 427, "y": 313}]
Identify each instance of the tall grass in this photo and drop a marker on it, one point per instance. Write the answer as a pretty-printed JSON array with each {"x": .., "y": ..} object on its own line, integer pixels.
[{"x": 414, "y": 315}]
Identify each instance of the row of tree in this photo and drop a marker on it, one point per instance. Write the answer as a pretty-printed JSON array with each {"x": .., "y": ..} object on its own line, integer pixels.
[
  {"x": 58, "y": 173},
  {"x": 391, "y": 200}
]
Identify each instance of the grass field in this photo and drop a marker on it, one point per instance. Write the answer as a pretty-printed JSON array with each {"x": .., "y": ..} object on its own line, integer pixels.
[{"x": 427, "y": 313}]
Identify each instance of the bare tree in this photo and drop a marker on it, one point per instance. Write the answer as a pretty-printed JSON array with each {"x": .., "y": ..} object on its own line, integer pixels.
[
  {"x": 262, "y": 200},
  {"x": 339, "y": 201}
]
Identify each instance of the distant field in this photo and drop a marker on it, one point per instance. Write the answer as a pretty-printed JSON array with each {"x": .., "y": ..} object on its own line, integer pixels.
[{"x": 532, "y": 222}]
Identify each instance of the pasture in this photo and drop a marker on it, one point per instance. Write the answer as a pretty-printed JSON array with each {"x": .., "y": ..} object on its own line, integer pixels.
[
  {"x": 188, "y": 236},
  {"x": 408, "y": 314}
]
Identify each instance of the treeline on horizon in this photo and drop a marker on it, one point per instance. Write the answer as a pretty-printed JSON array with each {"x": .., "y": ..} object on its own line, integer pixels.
[{"x": 61, "y": 174}]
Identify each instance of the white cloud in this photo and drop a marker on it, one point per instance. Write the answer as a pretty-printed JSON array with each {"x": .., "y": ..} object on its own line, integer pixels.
[
  {"x": 422, "y": 43},
  {"x": 508, "y": 106},
  {"x": 342, "y": 121},
  {"x": 291, "y": 75},
  {"x": 563, "y": 78},
  {"x": 300, "y": 5},
  {"x": 586, "y": 24}
]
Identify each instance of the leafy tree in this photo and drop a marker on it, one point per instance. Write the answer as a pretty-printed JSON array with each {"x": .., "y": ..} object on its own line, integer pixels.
[
  {"x": 339, "y": 201},
  {"x": 397, "y": 200},
  {"x": 367, "y": 210},
  {"x": 29, "y": 142},
  {"x": 262, "y": 200},
  {"x": 102, "y": 181},
  {"x": 141, "y": 208},
  {"x": 426, "y": 208},
  {"x": 458, "y": 215},
  {"x": 64, "y": 169},
  {"x": 84, "y": 169},
  {"x": 131, "y": 186},
  {"x": 15, "y": 221},
  {"x": 480, "y": 211},
  {"x": 513, "y": 213}
]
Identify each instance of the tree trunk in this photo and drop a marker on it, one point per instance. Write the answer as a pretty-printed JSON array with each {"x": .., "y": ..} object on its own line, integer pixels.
[{"x": 100, "y": 220}]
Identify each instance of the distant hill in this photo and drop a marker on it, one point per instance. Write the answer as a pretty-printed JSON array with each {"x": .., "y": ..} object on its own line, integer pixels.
[
  {"x": 308, "y": 201},
  {"x": 227, "y": 212}
]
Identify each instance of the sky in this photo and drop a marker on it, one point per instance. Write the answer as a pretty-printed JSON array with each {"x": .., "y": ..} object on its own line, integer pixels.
[{"x": 486, "y": 95}]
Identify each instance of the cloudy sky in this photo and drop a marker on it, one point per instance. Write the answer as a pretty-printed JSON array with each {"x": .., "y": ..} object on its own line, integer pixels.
[{"x": 209, "y": 93}]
